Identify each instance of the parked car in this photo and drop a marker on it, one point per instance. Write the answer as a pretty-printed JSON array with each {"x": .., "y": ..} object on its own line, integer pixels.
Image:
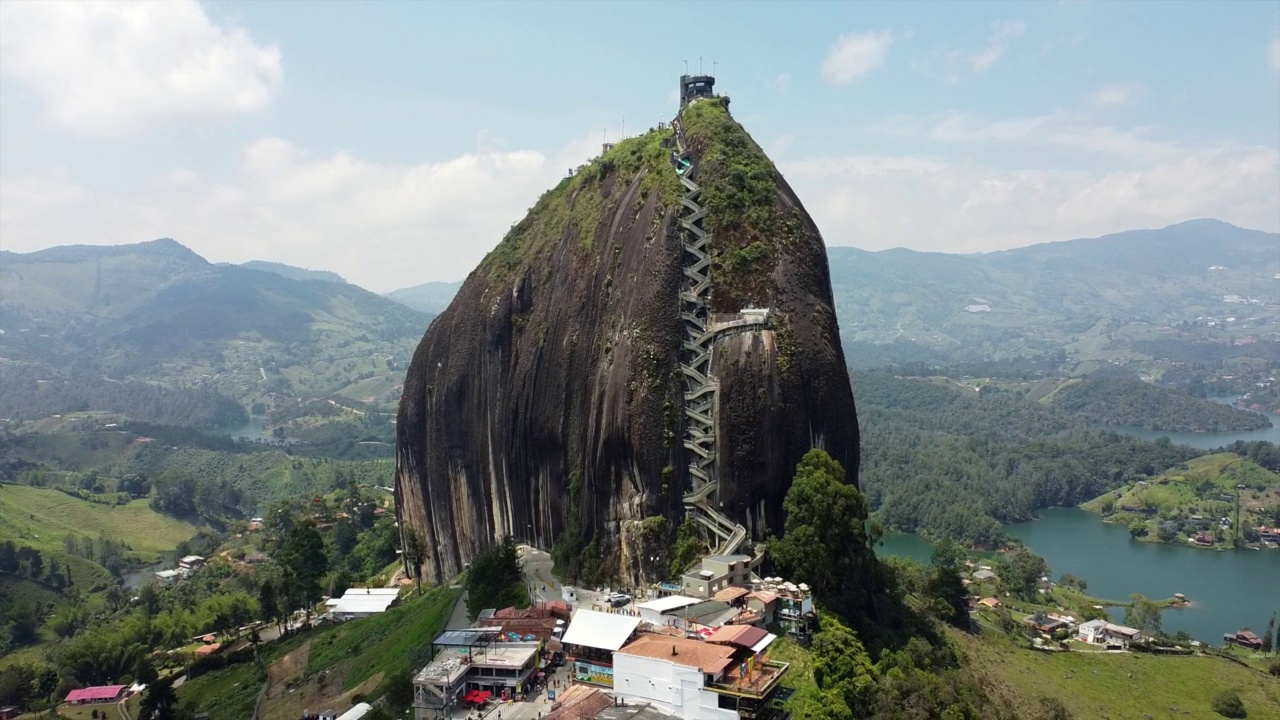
[{"x": 619, "y": 599}]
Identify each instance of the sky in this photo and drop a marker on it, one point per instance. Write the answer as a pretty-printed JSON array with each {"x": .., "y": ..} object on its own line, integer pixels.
[{"x": 395, "y": 143}]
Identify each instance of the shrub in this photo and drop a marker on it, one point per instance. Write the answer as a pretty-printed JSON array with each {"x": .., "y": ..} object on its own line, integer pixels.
[
  {"x": 1227, "y": 703},
  {"x": 1274, "y": 668}
]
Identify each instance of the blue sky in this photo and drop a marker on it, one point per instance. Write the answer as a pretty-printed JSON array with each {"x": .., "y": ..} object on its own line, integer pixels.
[{"x": 394, "y": 143}]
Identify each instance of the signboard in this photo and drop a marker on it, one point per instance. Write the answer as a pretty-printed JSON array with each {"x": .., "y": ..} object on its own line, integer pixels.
[{"x": 589, "y": 672}]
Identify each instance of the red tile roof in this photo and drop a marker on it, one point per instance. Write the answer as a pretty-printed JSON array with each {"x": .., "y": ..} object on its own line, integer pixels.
[
  {"x": 95, "y": 694},
  {"x": 708, "y": 657},
  {"x": 741, "y": 635}
]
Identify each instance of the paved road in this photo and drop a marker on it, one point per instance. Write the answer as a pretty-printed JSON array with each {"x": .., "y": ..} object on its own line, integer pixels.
[{"x": 537, "y": 573}]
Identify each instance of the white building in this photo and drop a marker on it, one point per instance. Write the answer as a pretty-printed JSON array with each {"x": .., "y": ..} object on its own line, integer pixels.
[
  {"x": 591, "y": 641},
  {"x": 693, "y": 680},
  {"x": 362, "y": 602},
  {"x": 190, "y": 563},
  {"x": 168, "y": 577},
  {"x": 652, "y": 611},
  {"x": 358, "y": 711}
]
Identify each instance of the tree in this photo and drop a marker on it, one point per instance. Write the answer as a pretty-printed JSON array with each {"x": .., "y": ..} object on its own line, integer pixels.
[
  {"x": 1143, "y": 615},
  {"x": 268, "y": 602},
  {"x": 1072, "y": 581},
  {"x": 1268, "y": 640},
  {"x": 1227, "y": 703},
  {"x": 303, "y": 560},
  {"x": 1021, "y": 570},
  {"x": 159, "y": 702},
  {"x": 841, "y": 664},
  {"x": 946, "y": 584},
  {"x": 415, "y": 554},
  {"x": 825, "y": 542},
  {"x": 494, "y": 579},
  {"x": 144, "y": 672},
  {"x": 1138, "y": 528}
]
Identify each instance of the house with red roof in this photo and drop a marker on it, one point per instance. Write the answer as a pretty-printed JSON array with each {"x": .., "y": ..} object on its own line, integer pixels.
[{"x": 97, "y": 694}]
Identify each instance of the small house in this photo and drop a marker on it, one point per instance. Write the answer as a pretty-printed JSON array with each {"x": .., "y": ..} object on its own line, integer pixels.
[
  {"x": 984, "y": 575},
  {"x": 9, "y": 711},
  {"x": 96, "y": 694},
  {"x": 1243, "y": 638},
  {"x": 190, "y": 563},
  {"x": 168, "y": 577},
  {"x": 989, "y": 602}
]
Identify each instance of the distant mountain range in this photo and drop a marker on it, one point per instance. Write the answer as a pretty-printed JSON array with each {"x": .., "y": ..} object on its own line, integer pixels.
[
  {"x": 431, "y": 297},
  {"x": 1081, "y": 296},
  {"x": 1085, "y": 297},
  {"x": 160, "y": 312},
  {"x": 293, "y": 273}
]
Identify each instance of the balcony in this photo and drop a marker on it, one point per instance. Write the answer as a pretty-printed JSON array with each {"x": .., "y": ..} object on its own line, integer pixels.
[{"x": 758, "y": 685}]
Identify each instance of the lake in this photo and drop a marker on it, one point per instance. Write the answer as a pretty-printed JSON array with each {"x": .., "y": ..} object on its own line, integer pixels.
[
  {"x": 251, "y": 431},
  {"x": 1227, "y": 589},
  {"x": 1207, "y": 440}
]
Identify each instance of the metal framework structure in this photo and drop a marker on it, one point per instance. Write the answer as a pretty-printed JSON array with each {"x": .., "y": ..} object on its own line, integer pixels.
[{"x": 702, "y": 329}]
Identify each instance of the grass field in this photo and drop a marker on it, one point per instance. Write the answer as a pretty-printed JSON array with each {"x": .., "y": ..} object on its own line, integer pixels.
[
  {"x": 42, "y": 517},
  {"x": 1111, "y": 686},
  {"x": 227, "y": 694}
]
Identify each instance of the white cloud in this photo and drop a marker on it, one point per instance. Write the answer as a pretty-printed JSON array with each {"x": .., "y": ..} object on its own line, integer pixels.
[
  {"x": 853, "y": 57},
  {"x": 1116, "y": 94},
  {"x": 111, "y": 68},
  {"x": 1273, "y": 55},
  {"x": 930, "y": 203},
  {"x": 1001, "y": 33},
  {"x": 1058, "y": 130},
  {"x": 380, "y": 225}
]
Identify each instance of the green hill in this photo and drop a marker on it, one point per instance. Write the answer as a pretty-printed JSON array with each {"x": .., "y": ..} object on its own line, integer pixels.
[
  {"x": 157, "y": 313},
  {"x": 295, "y": 273},
  {"x": 1094, "y": 298},
  {"x": 1140, "y": 404},
  {"x": 1191, "y": 498},
  {"x": 430, "y": 297},
  {"x": 42, "y": 517}
]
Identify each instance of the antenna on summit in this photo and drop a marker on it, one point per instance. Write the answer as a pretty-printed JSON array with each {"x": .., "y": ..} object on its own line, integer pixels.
[
  {"x": 686, "y": 67},
  {"x": 624, "y": 127},
  {"x": 699, "y": 64}
]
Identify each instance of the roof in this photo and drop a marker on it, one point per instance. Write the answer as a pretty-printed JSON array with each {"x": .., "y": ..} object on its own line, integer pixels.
[
  {"x": 356, "y": 712},
  {"x": 706, "y": 608},
  {"x": 579, "y": 702},
  {"x": 730, "y": 594},
  {"x": 1093, "y": 625},
  {"x": 364, "y": 600},
  {"x": 191, "y": 558},
  {"x": 1122, "y": 630},
  {"x": 167, "y": 573},
  {"x": 989, "y": 602},
  {"x": 984, "y": 575},
  {"x": 763, "y": 596},
  {"x": 99, "y": 692},
  {"x": 603, "y": 631},
  {"x": 739, "y": 635},
  {"x": 208, "y": 649},
  {"x": 728, "y": 558},
  {"x": 707, "y": 657},
  {"x": 1249, "y": 636},
  {"x": 468, "y": 637},
  {"x": 633, "y": 712},
  {"x": 670, "y": 602}
]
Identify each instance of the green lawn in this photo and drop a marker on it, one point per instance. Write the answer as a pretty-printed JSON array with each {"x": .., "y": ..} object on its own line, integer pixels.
[
  {"x": 42, "y": 517},
  {"x": 1111, "y": 686},
  {"x": 227, "y": 694}
]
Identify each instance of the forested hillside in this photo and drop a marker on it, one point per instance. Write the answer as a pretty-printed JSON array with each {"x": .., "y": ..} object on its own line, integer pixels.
[
  {"x": 951, "y": 462},
  {"x": 1139, "y": 404}
]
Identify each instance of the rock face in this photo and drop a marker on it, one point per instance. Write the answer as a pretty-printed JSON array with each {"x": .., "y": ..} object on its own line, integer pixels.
[{"x": 546, "y": 401}]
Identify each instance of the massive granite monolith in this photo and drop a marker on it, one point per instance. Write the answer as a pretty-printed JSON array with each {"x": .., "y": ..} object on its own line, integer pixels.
[{"x": 546, "y": 401}]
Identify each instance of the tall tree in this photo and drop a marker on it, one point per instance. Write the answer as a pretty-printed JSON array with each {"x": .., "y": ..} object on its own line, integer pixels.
[
  {"x": 159, "y": 702},
  {"x": 304, "y": 562},
  {"x": 415, "y": 554},
  {"x": 946, "y": 584},
  {"x": 1143, "y": 615},
  {"x": 825, "y": 542}
]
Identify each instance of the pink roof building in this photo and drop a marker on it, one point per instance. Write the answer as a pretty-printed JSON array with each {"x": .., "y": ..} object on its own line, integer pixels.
[{"x": 100, "y": 693}]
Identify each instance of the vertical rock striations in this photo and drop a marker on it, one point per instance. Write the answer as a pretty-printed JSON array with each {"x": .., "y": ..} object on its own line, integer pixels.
[{"x": 546, "y": 402}]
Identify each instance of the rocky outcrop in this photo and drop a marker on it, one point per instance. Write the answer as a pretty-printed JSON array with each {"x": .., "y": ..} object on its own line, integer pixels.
[{"x": 545, "y": 402}]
